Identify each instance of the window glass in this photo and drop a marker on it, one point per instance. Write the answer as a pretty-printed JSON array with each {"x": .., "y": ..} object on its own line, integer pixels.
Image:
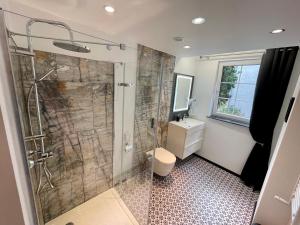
[
  {"x": 236, "y": 91},
  {"x": 249, "y": 74}
]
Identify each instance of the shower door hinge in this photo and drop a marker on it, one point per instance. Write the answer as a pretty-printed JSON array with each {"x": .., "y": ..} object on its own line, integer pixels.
[{"x": 125, "y": 84}]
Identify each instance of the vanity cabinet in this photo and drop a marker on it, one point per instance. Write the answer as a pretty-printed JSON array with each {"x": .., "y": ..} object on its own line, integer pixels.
[{"x": 185, "y": 137}]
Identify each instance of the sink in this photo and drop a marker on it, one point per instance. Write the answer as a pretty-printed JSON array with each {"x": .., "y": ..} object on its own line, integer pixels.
[{"x": 188, "y": 123}]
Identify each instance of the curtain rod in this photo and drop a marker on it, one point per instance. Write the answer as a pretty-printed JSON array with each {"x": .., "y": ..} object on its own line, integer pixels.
[{"x": 236, "y": 53}]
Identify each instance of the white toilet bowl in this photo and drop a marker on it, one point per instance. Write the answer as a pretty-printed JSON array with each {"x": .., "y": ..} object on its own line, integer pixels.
[{"x": 164, "y": 161}]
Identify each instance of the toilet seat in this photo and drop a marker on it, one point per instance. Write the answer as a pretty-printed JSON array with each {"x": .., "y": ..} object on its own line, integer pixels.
[{"x": 164, "y": 156}]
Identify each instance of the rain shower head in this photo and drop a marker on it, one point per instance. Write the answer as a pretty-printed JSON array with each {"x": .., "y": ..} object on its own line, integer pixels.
[
  {"x": 67, "y": 45},
  {"x": 71, "y": 46}
]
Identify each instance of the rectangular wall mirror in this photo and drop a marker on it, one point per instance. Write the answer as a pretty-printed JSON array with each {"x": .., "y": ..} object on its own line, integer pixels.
[{"x": 183, "y": 90}]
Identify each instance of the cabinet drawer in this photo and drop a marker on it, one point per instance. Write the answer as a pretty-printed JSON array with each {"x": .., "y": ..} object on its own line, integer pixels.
[
  {"x": 195, "y": 129},
  {"x": 190, "y": 149},
  {"x": 193, "y": 135}
]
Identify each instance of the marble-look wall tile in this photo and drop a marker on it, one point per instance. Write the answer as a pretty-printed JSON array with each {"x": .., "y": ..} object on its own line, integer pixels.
[
  {"x": 151, "y": 65},
  {"x": 77, "y": 114}
]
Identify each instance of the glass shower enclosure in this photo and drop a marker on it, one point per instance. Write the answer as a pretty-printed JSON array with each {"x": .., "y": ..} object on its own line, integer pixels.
[{"x": 85, "y": 129}]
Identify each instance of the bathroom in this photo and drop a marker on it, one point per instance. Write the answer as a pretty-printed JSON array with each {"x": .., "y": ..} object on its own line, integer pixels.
[{"x": 107, "y": 122}]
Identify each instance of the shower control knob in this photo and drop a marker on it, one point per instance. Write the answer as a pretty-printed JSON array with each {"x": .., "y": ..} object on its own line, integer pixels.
[{"x": 46, "y": 155}]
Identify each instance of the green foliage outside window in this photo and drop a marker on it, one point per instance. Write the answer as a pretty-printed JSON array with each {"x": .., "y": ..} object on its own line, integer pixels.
[
  {"x": 223, "y": 108},
  {"x": 230, "y": 77},
  {"x": 228, "y": 82}
]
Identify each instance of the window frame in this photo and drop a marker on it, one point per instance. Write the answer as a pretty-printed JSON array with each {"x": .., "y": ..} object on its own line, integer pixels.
[{"x": 230, "y": 62}]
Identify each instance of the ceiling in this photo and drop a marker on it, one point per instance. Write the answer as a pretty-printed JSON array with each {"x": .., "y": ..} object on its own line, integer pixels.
[{"x": 231, "y": 25}]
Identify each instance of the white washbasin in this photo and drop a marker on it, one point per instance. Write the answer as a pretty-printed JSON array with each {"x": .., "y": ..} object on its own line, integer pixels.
[{"x": 188, "y": 123}]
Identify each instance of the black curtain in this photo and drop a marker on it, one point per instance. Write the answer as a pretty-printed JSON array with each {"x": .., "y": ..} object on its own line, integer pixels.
[{"x": 273, "y": 78}]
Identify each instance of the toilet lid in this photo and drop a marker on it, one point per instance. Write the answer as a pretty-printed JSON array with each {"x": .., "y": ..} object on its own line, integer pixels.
[{"x": 164, "y": 156}]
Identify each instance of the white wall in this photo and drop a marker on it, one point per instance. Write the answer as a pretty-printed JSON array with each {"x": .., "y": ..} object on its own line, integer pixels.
[
  {"x": 283, "y": 172},
  {"x": 225, "y": 144},
  {"x": 186, "y": 65}
]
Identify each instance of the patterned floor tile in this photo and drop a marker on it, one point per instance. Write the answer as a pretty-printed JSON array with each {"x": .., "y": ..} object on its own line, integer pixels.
[{"x": 199, "y": 193}]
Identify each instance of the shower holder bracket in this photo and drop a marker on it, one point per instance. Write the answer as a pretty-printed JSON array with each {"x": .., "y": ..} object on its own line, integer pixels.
[{"x": 125, "y": 84}]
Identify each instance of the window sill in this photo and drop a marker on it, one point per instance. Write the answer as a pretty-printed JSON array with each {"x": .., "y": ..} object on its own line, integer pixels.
[{"x": 228, "y": 121}]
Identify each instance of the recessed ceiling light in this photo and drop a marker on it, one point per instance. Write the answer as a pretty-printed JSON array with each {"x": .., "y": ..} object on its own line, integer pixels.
[
  {"x": 109, "y": 8},
  {"x": 198, "y": 20},
  {"x": 187, "y": 46},
  {"x": 277, "y": 31}
]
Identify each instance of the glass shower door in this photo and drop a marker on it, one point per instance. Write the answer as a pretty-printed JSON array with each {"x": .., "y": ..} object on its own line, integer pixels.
[
  {"x": 152, "y": 84},
  {"x": 135, "y": 182}
]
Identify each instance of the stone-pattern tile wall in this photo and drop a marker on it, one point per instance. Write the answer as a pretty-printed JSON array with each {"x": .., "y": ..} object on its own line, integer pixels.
[
  {"x": 77, "y": 115},
  {"x": 152, "y": 64},
  {"x": 168, "y": 66}
]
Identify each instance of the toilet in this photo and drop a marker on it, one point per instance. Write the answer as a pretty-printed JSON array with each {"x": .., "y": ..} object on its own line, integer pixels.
[{"x": 164, "y": 161}]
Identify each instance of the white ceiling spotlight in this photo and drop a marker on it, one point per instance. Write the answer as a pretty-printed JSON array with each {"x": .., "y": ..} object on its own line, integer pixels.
[
  {"x": 109, "y": 9},
  {"x": 198, "y": 20},
  {"x": 187, "y": 46},
  {"x": 277, "y": 31}
]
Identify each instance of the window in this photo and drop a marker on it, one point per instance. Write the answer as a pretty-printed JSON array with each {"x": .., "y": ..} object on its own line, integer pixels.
[{"x": 235, "y": 90}]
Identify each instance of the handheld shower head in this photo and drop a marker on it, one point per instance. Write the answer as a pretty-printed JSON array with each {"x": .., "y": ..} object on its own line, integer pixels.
[{"x": 71, "y": 46}]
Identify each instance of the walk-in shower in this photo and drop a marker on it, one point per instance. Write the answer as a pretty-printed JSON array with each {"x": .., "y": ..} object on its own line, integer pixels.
[
  {"x": 39, "y": 156},
  {"x": 88, "y": 121}
]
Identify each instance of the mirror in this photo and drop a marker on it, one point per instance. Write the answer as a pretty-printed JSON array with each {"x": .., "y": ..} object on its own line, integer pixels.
[{"x": 183, "y": 89}]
